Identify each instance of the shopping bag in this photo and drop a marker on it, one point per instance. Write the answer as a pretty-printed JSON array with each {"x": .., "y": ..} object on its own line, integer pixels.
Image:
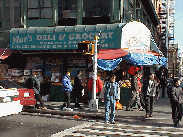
[{"x": 118, "y": 105}]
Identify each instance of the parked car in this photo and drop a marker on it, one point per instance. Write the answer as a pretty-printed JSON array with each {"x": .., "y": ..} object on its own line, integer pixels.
[{"x": 25, "y": 96}]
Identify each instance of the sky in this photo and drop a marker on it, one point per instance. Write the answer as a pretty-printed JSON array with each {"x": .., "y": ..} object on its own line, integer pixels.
[{"x": 179, "y": 22}]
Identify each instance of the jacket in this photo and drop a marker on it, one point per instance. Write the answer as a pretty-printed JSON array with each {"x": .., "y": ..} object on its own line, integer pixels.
[
  {"x": 154, "y": 88},
  {"x": 99, "y": 85},
  {"x": 66, "y": 83},
  {"x": 107, "y": 86},
  {"x": 78, "y": 83},
  {"x": 176, "y": 93}
]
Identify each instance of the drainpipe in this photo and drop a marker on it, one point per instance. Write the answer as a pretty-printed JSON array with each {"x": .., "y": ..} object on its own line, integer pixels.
[
  {"x": 22, "y": 13},
  {"x": 25, "y": 13},
  {"x": 121, "y": 10},
  {"x": 80, "y": 12}
]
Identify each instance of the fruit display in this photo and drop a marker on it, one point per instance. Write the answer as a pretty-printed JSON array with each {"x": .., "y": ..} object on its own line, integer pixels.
[{"x": 125, "y": 84}]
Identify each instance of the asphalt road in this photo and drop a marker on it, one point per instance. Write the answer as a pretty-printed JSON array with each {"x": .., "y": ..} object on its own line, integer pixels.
[{"x": 35, "y": 125}]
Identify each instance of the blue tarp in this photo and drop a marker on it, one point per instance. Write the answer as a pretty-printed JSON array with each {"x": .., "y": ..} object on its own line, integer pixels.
[
  {"x": 108, "y": 64},
  {"x": 141, "y": 59}
]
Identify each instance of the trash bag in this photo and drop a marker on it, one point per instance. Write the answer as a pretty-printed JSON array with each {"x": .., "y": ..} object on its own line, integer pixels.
[{"x": 118, "y": 105}]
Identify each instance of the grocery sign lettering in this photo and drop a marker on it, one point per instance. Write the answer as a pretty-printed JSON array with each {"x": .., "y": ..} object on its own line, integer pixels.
[{"x": 62, "y": 40}]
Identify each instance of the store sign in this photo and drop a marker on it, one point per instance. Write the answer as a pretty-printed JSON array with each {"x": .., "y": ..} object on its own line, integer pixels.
[
  {"x": 135, "y": 35},
  {"x": 62, "y": 40}
]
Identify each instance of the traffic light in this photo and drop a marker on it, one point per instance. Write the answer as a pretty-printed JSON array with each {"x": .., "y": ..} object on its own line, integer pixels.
[{"x": 83, "y": 47}]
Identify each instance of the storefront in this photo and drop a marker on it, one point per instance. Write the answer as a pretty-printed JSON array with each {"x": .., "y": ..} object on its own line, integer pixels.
[{"x": 50, "y": 51}]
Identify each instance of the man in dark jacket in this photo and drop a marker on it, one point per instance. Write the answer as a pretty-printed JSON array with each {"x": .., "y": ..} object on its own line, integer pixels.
[
  {"x": 175, "y": 101},
  {"x": 34, "y": 83},
  {"x": 78, "y": 87},
  {"x": 150, "y": 89}
]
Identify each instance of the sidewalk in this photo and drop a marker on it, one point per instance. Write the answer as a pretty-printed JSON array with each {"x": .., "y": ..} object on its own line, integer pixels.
[{"x": 162, "y": 110}]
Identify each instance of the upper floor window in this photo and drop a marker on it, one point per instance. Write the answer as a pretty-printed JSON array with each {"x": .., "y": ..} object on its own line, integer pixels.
[
  {"x": 93, "y": 8},
  {"x": 39, "y": 9}
]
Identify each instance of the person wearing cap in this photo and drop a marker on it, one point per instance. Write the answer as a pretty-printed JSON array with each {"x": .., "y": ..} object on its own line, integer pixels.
[
  {"x": 67, "y": 87},
  {"x": 136, "y": 89},
  {"x": 110, "y": 97},
  {"x": 150, "y": 89},
  {"x": 78, "y": 87},
  {"x": 175, "y": 104}
]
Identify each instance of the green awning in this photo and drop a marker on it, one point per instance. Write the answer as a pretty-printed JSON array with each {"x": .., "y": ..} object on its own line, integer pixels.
[{"x": 65, "y": 37}]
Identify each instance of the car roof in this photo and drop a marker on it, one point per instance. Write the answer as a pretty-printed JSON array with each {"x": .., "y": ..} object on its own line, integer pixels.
[{"x": 9, "y": 84}]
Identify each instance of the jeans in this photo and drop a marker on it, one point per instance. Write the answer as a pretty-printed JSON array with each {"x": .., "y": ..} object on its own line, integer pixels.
[
  {"x": 176, "y": 112},
  {"x": 149, "y": 102},
  {"x": 112, "y": 103},
  {"x": 38, "y": 98},
  {"x": 66, "y": 99}
]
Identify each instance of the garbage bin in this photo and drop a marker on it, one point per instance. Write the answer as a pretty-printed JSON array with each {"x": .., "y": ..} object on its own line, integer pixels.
[{"x": 126, "y": 96}]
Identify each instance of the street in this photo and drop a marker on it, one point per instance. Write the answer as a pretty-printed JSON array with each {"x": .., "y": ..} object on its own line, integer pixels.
[
  {"x": 35, "y": 125},
  {"x": 128, "y": 123}
]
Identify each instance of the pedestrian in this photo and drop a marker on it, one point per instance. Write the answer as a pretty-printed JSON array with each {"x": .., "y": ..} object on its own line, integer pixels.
[
  {"x": 141, "y": 95},
  {"x": 78, "y": 87},
  {"x": 33, "y": 82},
  {"x": 99, "y": 85},
  {"x": 67, "y": 87},
  {"x": 150, "y": 90},
  {"x": 135, "y": 89},
  {"x": 163, "y": 85},
  {"x": 110, "y": 97},
  {"x": 175, "y": 101}
]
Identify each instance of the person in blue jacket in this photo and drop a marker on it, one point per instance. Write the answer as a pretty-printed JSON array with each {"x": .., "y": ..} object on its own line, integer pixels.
[
  {"x": 67, "y": 87},
  {"x": 110, "y": 97}
]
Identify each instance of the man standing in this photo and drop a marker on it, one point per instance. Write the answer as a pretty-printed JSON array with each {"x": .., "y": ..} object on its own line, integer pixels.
[
  {"x": 110, "y": 97},
  {"x": 135, "y": 92},
  {"x": 163, "y": 85},
  {"x": 78, "y": 87},
  {"x": 150, "y": 91},
  {"x": 67, "y": 87},
  {"x": 34, "y": 83}
]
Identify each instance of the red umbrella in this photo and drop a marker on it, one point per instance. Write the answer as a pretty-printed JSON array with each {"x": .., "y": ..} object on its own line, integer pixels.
[{"x": 111, "y": 53}]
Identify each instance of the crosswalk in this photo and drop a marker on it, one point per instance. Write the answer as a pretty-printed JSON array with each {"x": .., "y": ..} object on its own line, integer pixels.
[{"x": 92, "y": 129}]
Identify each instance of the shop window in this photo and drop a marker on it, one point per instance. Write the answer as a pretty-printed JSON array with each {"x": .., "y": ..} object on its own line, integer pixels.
[
  {"x": 96, "y": 12},
  {"x": 67, "y": 11},
  {"x": 39, "y": 9}
]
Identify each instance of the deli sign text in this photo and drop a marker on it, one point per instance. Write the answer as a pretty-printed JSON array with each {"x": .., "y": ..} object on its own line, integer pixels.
[{"x": 62, "y": 40}]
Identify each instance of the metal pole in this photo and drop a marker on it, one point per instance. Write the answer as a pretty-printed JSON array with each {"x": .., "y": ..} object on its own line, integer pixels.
[
  {"x": 95, "y": 68},
  {"x": 167, "y": 33}
]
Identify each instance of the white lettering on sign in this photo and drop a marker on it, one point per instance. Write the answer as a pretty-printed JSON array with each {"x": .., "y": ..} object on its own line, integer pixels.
[
  {"x": 85, "y": 36},
  {"x": 19, "y": 39},
  {"x": 71, "y": 36},
  {"x": 78, "y": 36},
  {"x": 62, "y": 36},
  {"x": 45, "y": 37}
]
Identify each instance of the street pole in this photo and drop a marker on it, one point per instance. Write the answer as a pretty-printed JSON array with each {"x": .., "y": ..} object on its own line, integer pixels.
[
  {"x": 93, "y": 106},
  {"x": 167, "y": 36}
]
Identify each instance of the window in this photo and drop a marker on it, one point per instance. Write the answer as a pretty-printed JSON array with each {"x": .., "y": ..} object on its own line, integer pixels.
[{"x": 39, "y": 9}]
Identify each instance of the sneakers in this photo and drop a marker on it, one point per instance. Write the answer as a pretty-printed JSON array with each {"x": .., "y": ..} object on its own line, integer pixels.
[
  {"x": 68, "y": 109},
  {"x": 150, "y": 115},
  {"x": 146, "y": 116},
  {"x": 113, "y": 122},
  {"x": 106, "y": 122}
]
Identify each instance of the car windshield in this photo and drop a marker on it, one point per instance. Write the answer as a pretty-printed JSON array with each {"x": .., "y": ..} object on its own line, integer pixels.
[{"x": 9, "y": 84}]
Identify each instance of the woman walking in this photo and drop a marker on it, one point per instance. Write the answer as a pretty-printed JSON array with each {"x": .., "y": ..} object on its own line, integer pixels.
[{"x": 175, "y": 101}]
